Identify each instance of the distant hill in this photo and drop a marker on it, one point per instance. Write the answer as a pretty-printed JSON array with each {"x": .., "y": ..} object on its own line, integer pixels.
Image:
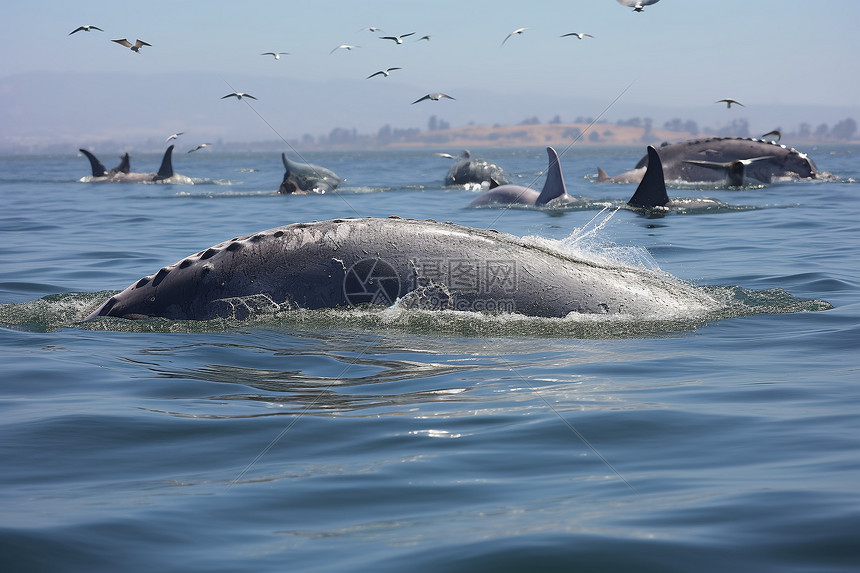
[
  {"x": 44, "y": 112},
  {"x": 539, "y": 135}
]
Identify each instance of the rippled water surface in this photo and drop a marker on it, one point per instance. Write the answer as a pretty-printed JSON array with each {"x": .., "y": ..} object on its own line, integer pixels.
[{"x": 416, "y": 440}]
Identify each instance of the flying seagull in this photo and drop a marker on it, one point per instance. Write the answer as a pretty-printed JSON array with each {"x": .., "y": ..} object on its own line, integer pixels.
[
  {"x": 201, "y": 146},
  {"x": 775, "y": 132},
  {"x": 397, "y": 39},
  {"x": 517, "y": 31},
  {"x": 371, "y": 29},
  {"x": 276, "y": 55},
  {"x": 86, "y": 28},
  {"x": 343, "y": 47},
  {"x": 637, "y": 5},
  {"x": 729, "y": 102},
  {"x": 385, "y": 73},
  {"x": 579, "y": 35},
  {"x": 425, "y": 37},
  {"x": 174, "y": 136},
  {"x": 239, "y": 95},
  {"x": 138, "y": 44},
  {"x": 434, "y": 96}
]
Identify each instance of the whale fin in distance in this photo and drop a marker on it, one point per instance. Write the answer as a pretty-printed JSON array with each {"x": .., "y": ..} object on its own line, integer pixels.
[
  {"x": 98, "y": 169},
  {"x": 166, "y": 169},
  {"x": 652, "y": 189},
  {"x": 124, "y": 165},
  {"x": 602, "y": 175}
]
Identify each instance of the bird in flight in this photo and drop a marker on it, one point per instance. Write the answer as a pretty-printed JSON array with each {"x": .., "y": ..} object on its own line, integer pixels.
[
  {"x": 637, "y": 5},
  {"x": 775, "y": 132},
  {"x": 434, "y": 96},
  {"x": 385, "y": 73},
  {"x": 201, "y": 146},
  {"x": 424, "y": 37},
  {"x": 138, "y": 44},
  {"x": 276, "y": 55},
  {"x": 239, "y": 95},
  {"x": 517, "y": 31},
  {"x": 174, "y": 136},
  {"x": 343, "y": 47},
  {"x": 729, "y": 102},
  {"x": 579, "y": 35},
  {"x": 86, "y": 28},
  {"x": 371, "y": 29},
  {"x": 397, "y": 39}
]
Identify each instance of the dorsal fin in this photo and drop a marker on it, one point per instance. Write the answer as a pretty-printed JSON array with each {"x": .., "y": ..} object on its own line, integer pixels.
[
  {"x": 554, "y": 185},
  {"x": 124, "y": 165},
  {"x": 166, "y": 169},
  {"x": 95, "y": 165},
  {"x": 493, "y": 183},
  {"x": 652, "y": 189},
  {"x": 287, "y": 186},
  {"x": 602, "y": 175}
]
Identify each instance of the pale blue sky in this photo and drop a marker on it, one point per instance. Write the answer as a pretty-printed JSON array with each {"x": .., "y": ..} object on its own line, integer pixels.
[{"x": 679, "y": 54}]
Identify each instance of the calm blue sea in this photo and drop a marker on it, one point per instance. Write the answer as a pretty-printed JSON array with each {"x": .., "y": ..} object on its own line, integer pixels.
[{"x": 336, "y": 441}]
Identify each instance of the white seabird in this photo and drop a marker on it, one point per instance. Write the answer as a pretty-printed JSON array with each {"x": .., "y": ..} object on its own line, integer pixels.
[
  {"x": 239, "y": 95},
  {"x": 517, "y": 31},
  {"x": 397, "y": 39},
  {"x": 86, "y": 28},
  {"x": 138, "y": 44},
  {"x": 343, "y": 47},
  {"x": 637, "y": 5},
  {"x": 201, "y": 146},
  {"x": 434, "y": 96},
  {"x": 385, "y": 73},
  {"x": 579, "y": 35},
  {"x": 729, "y": 102}
]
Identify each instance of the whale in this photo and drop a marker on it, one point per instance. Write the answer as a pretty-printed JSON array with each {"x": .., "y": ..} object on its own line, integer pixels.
[
  {"x": 727, "y": 161},
  {"x": 379, "y": 262},
  {"x": 553, "y": 188},
  {"x": 122, "y": 172},
  {"x": 306, "y": 178},
  {"x": 470, "y": 170}
]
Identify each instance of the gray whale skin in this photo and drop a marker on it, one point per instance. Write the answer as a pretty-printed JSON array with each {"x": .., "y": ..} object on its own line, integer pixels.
[
  {"x": 470, "y": 169},
  {"x": 377, "y": 261},
  {"x": 734, "y": 161},
  {"x": 302, "y": 178}
]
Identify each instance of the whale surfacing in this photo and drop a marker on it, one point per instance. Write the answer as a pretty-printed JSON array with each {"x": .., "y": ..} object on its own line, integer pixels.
[
  {"x": 472, "y": 170},
  {"x": 731, "y": 161},
  {"x": 307, "y": 178},
  {"x": 553, "y": 188},
  {"x": 344, "y": 263}
]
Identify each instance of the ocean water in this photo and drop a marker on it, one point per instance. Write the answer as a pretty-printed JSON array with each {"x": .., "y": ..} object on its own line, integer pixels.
[{"x": 412, "y": 440}]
